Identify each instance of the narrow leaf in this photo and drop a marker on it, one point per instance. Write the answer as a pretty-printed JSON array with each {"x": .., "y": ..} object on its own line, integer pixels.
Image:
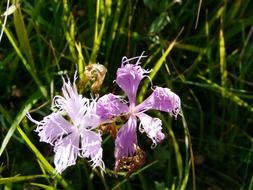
[
  {"x": 26, "y": 107},
  {"x": 20, "y": 178}
]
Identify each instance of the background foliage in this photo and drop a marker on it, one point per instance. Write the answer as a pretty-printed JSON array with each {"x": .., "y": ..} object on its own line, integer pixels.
[{"x": 202, "y": 50}]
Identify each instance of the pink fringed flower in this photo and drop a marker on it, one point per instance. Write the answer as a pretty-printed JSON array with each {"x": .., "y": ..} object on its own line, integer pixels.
[
  {"x": 109, "y": 106},
  {"x": 71, "y": 129}
]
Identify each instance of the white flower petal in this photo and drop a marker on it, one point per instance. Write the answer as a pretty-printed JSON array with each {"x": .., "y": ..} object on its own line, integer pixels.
[
  {"x": 52, "y": 128},
  {"x": 90, "y": 121},
  {"x": 151, "y": 126},
  {"x": 91, "y": 147},
  {"x": 71, "y": 102},
  {"x": 66, "y": 151}
]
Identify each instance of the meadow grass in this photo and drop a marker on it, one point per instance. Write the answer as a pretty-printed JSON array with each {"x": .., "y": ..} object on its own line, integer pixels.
[{"x": 202, "y": 50}]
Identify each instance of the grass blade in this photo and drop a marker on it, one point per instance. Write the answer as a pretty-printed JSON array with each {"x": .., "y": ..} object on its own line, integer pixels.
[
  {"x": 46, "y": 187},
  {"x": 23, "y": 37},
  {"x": 5, "y": 20},
  {"x": 113, "y": 29},
  {"x": 20, "y": 178},
  {"x": 233, "y": 97},
  {"x": 223, "y": 66},
  {"x": 157, "y": 66},
  {"x": 98, "y": 34},
  {"x": 27, "y": 106},
  {"x": 24, "y": 61},
  {"x": 43, "y": 160},
  {"x": 163, "y": 57},
  {"x": 189, "y": 161}
]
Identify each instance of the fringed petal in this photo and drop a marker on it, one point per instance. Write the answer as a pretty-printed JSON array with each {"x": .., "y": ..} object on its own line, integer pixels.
[
  {"x": 66, "y": 152},
  {"x": 129, "y": 77},
  {"x": 90, "y": 119},
  {"x": 52, "y": 128},
  {"x": 71, "y": 102},
  {"x": 110, "y": 106},
  {"x": 162, "y": 99},
  {"x": 91, "y": 147},
  {"x": 152, "y": 127}
]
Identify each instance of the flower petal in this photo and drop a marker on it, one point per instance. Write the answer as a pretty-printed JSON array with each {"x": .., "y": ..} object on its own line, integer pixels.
[
  {"x": 91, "y": 147},
  {"x": 66, "y": 151},
  {"x": 151, "y": 126},
  {"x": 90, "y": 120},
  {"x": 71, "y": 102},
  {"x": 162, "y": 99},
  {"x": 109, "y": 106},
  {"x": 126, "y": 140},
  {"x": 129, "y": 77},
  {"x": 52, "y": 128}
]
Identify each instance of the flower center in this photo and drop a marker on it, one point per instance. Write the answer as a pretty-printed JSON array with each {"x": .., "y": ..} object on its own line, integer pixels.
[{"x": 132, "y": 110}]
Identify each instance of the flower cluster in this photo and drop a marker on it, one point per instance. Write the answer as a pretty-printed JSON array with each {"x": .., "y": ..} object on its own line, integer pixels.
[{"x": 73, "y": 128}]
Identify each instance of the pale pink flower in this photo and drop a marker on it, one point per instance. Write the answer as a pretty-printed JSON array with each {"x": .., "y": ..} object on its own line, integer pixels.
[{"x": 71, "y": 129}]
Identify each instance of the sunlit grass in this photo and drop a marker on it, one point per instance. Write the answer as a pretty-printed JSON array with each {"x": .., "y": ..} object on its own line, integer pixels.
[{"x": 202, "y": 50}]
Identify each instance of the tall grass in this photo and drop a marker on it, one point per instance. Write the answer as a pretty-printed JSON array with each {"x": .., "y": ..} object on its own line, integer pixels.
[{"x": 202, "y": 50}]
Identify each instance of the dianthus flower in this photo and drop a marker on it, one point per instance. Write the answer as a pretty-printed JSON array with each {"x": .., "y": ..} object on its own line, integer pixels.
[
  {"x": 110, "y": 106},
  {"x": 71, "y": 129}
]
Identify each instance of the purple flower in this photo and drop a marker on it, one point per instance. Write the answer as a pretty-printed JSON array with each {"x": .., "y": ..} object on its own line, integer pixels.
[
  {"x": 110, "y": 106},
  {"x": 71, "y": 129}
]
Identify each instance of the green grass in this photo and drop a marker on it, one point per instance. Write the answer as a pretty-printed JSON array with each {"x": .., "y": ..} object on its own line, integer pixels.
[{"x": 202, "y": 50}]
